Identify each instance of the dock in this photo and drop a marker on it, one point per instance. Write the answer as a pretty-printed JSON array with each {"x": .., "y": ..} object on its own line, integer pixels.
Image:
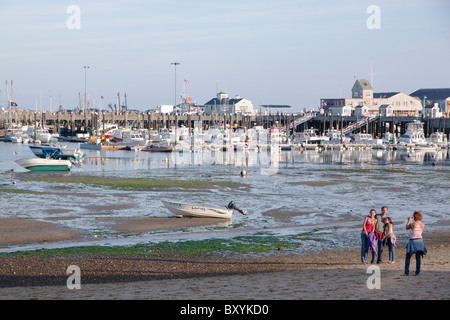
[{"x": 70, "y": 123}]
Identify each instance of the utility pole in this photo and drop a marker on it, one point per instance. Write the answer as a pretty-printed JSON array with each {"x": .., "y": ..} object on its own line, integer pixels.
[{"x": 175, "y": 94}]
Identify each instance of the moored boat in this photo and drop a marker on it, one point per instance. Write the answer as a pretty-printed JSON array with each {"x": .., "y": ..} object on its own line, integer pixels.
[
  {"x": 55, "y": 152},
  {"x": 45, "y": 164}
]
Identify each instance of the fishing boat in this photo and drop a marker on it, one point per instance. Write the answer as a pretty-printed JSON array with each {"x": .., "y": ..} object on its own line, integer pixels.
[
  {"x": 39, "y": 133},
  {"x": 201, "y": 211},
  {"x": 45, "y": 164},
  {"x": 414, "y": 134},
  {"x": 127, "y": 137},
  {"x": 13, "y": 135}
]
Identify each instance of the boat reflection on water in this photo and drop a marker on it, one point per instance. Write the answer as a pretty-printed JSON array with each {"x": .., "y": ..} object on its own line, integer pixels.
[{"x": 268, "y": 162}]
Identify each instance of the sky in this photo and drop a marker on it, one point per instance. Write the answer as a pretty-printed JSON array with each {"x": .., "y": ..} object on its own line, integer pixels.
[{"x": 288, "y": 52}]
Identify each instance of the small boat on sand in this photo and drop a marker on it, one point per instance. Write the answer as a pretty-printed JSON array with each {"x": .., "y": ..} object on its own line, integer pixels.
[
  {"x": 45, "y": 164},
  {"x": 201, "y": 211}
]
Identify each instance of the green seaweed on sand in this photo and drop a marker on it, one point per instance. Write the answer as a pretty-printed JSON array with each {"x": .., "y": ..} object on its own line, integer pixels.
[
  {"x": 258, "y": 243},
  {"x": 136, "y": 183}
]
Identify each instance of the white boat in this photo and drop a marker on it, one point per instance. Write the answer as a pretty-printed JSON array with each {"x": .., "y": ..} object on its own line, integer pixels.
[
  {"x": 336, "y": 140},
  {"x": 57, "y": 152},
  {"x": 41, "y": 134},
  {"x": 438, "y": 138},
  {"x": 365, "y": 140},
  {"x": 165, "y": 145},
  {"x": 414, "y": 134},
  {"x": 201, "y": 211},
  {"x": 336, "y": 137},
  {"x": 308, "y": 136},
  {"x": 45, "y": 164},
  {"x": 13, "y": 135},
  {"x": 127, "y": 137}
]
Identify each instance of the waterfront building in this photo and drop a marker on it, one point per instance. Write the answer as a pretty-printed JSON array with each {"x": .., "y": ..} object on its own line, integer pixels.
[
  {"x": 432, "y": 111},
  {"x": 365, "y": 102},
  {"x": 340, "y": 110},
  {"x": 386, "y": 110},
  {"x": 222, "y": 105},
  {"x": 361, "y": 111},
  {"x": 429, "y": 97}
]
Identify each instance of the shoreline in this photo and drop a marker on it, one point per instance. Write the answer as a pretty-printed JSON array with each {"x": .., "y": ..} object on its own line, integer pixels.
[{"x": 331, "y": 274}]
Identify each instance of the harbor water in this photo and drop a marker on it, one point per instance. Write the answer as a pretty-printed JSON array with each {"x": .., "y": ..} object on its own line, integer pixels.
[{"x": 284, "y": 193}]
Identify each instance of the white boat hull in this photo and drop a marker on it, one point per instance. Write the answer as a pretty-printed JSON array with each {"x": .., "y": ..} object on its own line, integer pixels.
[
  {"x": 198, "y": 211},
  {"x": 40, "y": 164}
]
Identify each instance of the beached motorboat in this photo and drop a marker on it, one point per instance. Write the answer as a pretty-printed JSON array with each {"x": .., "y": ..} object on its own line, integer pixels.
[
  {"x": 201, "y": 211},
  {"x": 45, "y": 164}
]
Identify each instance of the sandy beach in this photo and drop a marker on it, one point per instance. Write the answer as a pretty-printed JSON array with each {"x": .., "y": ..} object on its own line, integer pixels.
[{"x": 328, "y": 275}]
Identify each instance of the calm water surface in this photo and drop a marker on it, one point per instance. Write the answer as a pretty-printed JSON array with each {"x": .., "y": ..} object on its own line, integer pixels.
[{"x": 285, "y": 193}]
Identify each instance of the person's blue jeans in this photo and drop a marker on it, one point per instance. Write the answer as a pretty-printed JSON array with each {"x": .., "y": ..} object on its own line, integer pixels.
[
  {"x": 380, "y": 244},
  {"x": 365, "y": 247},
  {"x": 408, "y": 260},
  {"x": 391, "y": 248}
]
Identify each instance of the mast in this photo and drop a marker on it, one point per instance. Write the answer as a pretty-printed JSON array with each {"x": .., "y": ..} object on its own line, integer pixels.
[
  {"x": 371, "y": 74},
  {"x": 9, "y": 102}
]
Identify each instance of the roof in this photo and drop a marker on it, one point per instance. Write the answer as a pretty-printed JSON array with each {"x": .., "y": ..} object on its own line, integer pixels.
[
  {"x": 384, "y": 94},
  {"x": 274, "y": 106},
  {"x": 365, "y": 84},
  {"x": 432, "y": 94},
  {"x": 226, "y": 101}
]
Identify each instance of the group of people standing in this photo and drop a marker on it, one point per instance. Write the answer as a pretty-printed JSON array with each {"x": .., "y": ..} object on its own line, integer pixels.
[{"x": 378, "y": 232}]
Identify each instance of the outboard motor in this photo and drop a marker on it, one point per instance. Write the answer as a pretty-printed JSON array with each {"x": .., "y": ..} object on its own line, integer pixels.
[{"x": 232, "y": 206}]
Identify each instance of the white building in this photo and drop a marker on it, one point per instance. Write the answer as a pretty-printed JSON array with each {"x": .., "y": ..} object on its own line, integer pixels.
[
  {"x": 345, "y": 111},
  {"x": 429, "y": 97},
  {"x": 386, "y": 110},
  {"x": 433, "y": 111},
  {"x": 224, "y": 105},
  {"x": 361, "y": 111},
  {"x": 363, "y": 95},
  {"x": 165, "y": 108}
]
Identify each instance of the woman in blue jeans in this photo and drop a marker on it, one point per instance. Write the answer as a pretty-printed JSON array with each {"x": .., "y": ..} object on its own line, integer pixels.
[
  {"x": 390, "y": 239},
  {"x": 415, "y": 245},
  {"x": 368, "y": 226}
]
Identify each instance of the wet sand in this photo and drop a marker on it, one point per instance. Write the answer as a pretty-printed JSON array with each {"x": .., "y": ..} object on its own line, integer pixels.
[
  {"x": 328, "y": 275},
  {"x": 17, "y": 231},
  {"x": 20, "y": 231}
]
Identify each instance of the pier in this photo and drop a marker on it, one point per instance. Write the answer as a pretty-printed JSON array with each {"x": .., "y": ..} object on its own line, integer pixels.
[{"x": 67, "y": 123}]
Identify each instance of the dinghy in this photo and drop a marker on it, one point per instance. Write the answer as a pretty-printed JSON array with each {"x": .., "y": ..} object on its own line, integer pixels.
[{"x": 201, "y": 211}]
